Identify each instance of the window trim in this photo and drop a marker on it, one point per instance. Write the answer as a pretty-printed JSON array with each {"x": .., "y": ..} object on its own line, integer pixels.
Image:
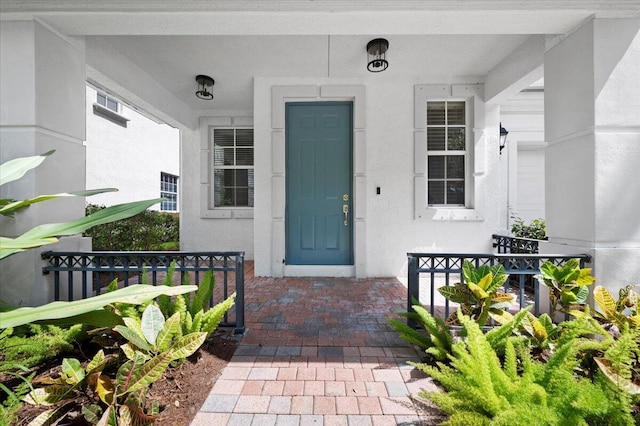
[
  {"x": 474, "y": 114},
  {"x": 162, "y": 175},
  {"x": 207, "y": 208}
]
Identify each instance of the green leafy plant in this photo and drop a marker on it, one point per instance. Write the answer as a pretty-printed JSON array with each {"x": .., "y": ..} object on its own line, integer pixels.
[
  {"x": 567, "y": 285},
  {"x": 536, "y": 229},
  {"x": 33, "y": 344},
  {"x": 437, "y": 341},
  {"x": 619, "y": 313},
  {"x": 482, "y": 390},
  {"x": 49, "y": 233},
  {"x": 89, "y": 311},
  {"x": 478, "y": 296},
  {"x": 149, "y": 230}
]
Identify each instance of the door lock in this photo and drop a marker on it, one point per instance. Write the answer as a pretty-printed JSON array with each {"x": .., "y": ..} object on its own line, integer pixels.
[{"x": 345, "y": 210}]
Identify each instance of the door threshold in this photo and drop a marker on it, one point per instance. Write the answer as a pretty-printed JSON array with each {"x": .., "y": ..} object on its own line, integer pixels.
[{"x": 319, "y": 271}]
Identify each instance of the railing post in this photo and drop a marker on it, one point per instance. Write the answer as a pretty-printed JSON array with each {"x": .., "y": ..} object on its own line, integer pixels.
[
  {"x": 239, "y": 294},
  {"x": 413, "y": 287}
]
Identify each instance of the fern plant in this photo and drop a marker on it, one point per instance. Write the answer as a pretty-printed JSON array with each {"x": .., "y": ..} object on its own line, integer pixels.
[
  {"x": 478, "y": 296},
  {"x": 437, "y": 341},
  {"x": 483, "y": 390}
]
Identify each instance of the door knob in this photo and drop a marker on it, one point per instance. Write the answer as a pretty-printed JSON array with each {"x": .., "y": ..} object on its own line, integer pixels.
[{"x": 345, "y": 210}]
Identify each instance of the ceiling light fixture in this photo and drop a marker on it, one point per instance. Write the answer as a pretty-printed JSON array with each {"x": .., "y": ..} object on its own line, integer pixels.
[
  {"x": 205, "y": 83},
  {"x": 376, "y": 55}
]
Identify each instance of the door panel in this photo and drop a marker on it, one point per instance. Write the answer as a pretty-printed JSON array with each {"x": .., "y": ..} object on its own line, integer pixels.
[{"x": 318, "y": 178}]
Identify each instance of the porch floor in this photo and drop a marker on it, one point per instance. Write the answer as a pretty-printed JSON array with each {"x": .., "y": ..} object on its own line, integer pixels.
[{"x": 318, "y": 351}]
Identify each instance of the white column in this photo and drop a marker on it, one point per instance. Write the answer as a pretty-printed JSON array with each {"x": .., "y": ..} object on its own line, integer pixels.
[
  {"x": 42, "y": 108},
  {"x": 592, "y": 126}
]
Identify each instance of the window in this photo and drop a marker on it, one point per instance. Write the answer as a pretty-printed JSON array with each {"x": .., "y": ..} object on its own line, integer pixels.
[
  {"x": 446, "y": 153},
  {"x": 169, "y": 190},
  {"x": 107, "y": 102},
  {"x": 233, "y": 167}
]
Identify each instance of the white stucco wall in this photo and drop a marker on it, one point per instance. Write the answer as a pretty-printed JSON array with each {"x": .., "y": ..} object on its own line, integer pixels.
[
  {"x": 128, "y": 158},
  {"x": 592, "y": 125},
  {"x": 391, "y": 230}
]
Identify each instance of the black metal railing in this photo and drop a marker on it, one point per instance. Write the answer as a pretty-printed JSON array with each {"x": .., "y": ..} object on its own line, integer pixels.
[
  {"x": 90, "y": 268},
  {"x": 507, "y": 244},
  {"x": 445, "y": 269}
]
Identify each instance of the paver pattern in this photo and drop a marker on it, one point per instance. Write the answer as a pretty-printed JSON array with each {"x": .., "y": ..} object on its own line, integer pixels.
[{"x": 318, "y": 351}]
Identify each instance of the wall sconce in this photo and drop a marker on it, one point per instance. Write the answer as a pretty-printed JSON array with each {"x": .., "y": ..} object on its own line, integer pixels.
[
  {"x": 205, "y": 83},
  {"x": 503, "y": 137},
  {"x": 376, "y": 50}
]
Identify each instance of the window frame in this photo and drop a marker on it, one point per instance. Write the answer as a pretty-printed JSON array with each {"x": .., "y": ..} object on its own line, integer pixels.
[
  {"x": 449, "y": 153},
  {"x": 207, "y": 208},
  {"x": 472, "y": 95},
  {"x": 235, "y": 166},
  {"x": 164, "y": 191}
]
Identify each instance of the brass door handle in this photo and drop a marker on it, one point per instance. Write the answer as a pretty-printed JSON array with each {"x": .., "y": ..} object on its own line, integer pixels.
[{"x": 345, "y": 210}]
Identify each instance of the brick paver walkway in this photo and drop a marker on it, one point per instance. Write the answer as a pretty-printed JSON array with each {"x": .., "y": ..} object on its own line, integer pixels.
[{"x": 319, "y": 352}]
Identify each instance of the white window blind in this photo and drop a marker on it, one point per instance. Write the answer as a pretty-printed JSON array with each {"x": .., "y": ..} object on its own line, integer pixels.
[
  {"x": 446, "y": 153},
  {"x": 233, "y": 176}
]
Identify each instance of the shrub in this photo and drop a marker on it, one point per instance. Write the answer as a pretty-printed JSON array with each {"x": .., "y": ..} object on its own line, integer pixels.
[
  {"x": 536, "y": 230},
  {"x": 150, "y": 230}
]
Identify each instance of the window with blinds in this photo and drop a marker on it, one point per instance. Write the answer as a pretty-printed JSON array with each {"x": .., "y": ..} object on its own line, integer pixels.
[
  {"x": 233, "y": 167},
  {"x": 169, "y": 190},
  {"x": 446, "y": 153}
]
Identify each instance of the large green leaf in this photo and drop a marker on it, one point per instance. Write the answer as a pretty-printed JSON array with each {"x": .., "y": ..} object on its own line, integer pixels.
[
  {"x": 134, "y": 294},
  {"x": 133, "y": 336},
  {"x": 42, "y": 232},
  {"x": 187, "y": 345},
  {"x": 170, "y": 329},
  {"x": 73, "y": 370},
  {"x": 15, "y": 169},
  {"x": 148, "y": 373},
  {"x": 454, "y": 294},
  {"x": 10, "y": 208},
  {"x": 604, "y": 300},
  {"x": 98, "y": 318},
  {"x": 152, "y": 323}
]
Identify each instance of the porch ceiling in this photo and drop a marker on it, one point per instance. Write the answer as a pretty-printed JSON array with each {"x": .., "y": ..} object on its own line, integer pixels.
[
  {"x": 233, "y": 61},
  {"x": 235, "y": 40}
]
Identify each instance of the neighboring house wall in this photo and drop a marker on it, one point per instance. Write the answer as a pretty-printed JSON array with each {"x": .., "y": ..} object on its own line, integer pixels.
[{"x": 127, "y": 151}]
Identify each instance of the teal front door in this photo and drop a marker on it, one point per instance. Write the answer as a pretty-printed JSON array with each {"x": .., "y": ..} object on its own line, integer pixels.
[{"x": 319, "y": 214}]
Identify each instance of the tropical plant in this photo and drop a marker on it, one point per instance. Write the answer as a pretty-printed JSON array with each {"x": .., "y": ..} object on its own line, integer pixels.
[
  {"x": 567, "y": 285},
  {"x": 89, "y": 311},
  {"x": 617, "y": 313},
  {"x": 152, "y": 344},
  {"x": 49, "y": 233},
  {"x": 481, "y": 390},
  {"x": 478, "y": 296}
]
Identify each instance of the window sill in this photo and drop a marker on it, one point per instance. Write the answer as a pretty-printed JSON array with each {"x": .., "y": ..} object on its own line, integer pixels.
[
  {"x": 228, "y": 213},
  {"x": 446, "y": 214},
  {"x": 112, "y": 116}
]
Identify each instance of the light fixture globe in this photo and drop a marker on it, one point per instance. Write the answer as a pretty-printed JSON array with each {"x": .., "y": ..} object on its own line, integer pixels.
[
  {"x": 376, "y": 55},
  {"x": 205, "y": 83}
]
